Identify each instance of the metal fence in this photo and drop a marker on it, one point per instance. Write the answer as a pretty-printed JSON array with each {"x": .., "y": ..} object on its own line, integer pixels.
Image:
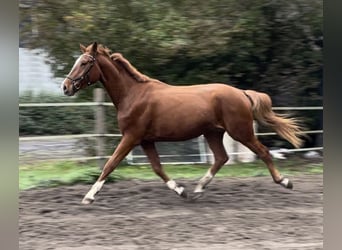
[{"x": 192, "y": 151}]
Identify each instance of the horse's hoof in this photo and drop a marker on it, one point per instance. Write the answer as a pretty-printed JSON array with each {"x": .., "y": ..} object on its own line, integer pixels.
[
  {"x": 87, "y": 201},
  {"x": 184, "y": 194},
  {"x": 197, "y": 195},
  {"x": 286, "y": 183},
  {"x": 290, "y": 185}
]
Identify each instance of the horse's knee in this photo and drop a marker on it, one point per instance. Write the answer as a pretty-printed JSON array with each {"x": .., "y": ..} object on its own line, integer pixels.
[
  {"x": 221, "y": 160},
  {"x": 221, "y": 157}
]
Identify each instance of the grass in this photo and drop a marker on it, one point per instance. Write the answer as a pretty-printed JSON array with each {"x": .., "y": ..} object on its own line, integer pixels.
[{"x": 68, "y": 173}]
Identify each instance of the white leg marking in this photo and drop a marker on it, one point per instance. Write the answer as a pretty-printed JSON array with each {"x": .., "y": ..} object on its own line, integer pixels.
[
  {"x": 179, "y": 190},
  {"x": 206, "y": 179},
  {"x": 173, "y": 186},
  {"x": 91, "y": 193},
  {"x": 284, "y": 182}
]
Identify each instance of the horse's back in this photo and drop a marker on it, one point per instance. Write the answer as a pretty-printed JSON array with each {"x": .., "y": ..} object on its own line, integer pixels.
[
  {"x": 207, "y": 99},
  {"x": 199, "y": 90}
]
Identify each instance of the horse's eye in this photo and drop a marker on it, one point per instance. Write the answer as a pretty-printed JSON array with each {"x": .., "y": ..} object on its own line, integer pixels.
[{"x": 83, "y": 64}]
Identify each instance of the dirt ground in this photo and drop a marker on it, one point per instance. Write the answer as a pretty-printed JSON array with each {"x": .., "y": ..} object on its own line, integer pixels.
[{"x": 235, "y": 213}]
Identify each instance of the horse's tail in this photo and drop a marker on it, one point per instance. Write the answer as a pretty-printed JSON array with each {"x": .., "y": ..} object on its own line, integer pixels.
[{"x": 286, "y": 127}]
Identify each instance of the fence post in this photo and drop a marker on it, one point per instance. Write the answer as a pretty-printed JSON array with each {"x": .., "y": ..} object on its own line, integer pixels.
[
  {"x": 202, "y": 149},
  {"x": 100, "y": 126}
]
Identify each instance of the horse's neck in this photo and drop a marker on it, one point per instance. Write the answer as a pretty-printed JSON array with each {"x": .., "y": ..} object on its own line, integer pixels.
[{"x": 117, "y": 85}]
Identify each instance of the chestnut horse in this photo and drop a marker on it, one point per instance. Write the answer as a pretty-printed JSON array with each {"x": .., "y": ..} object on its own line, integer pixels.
[{"x": 149, "y": 110}]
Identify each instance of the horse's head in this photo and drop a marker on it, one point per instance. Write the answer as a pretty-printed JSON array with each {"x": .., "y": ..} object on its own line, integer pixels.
[{"x": 83, "y": 73}]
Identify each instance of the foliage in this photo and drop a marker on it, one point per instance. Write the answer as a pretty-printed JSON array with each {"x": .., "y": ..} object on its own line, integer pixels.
[
  {"x": 274, "y": 46},
  {"x": 53, "y": 120},
  {"x": 65, "y": 120}
]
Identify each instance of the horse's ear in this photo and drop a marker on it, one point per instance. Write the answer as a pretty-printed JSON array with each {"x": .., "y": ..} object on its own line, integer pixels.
[
  {"x": 83, "y": 48},
  {"x": 94, "y": 48}
]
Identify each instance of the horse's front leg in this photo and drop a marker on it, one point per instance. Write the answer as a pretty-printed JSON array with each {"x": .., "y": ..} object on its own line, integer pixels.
[
  {"x": 215, "y": 143},
  {"x": 125, "y": 146},
  {"x": 152, "y": 154}
]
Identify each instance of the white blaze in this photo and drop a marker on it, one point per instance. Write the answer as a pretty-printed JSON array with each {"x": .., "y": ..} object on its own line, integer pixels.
[
  {"x": 73, "y": 67},
  {"x": 76, "y": 62}
]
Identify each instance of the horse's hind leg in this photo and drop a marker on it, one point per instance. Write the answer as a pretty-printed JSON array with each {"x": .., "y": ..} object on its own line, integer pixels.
[
  {"x": 264, "y": 154},
  {"x": 215, "y": 142},
  {"x": 151, "y": 152}
]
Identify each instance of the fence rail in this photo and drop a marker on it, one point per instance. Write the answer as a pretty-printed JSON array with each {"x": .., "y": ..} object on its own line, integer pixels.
[
  {"x": 66, "y": 104},
  {"x": 77, "y": 136},
  {"x": 99, "y": 136}
]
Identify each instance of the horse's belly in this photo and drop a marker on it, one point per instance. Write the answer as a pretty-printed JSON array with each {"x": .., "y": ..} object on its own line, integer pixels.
[
  {"x": 173, "y": 135},
  {"x": 174, "y": 129}
]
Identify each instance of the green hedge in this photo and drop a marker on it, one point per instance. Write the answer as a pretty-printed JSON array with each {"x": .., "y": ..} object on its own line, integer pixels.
[{"x": 53, "y": 120}]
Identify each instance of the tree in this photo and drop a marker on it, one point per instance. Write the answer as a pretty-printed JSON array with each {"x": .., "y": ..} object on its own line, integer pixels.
[{"x": 252, "y": 44}]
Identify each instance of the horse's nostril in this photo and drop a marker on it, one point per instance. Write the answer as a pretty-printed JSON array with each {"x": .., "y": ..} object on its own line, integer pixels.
[{"x": 64, "y": 88}]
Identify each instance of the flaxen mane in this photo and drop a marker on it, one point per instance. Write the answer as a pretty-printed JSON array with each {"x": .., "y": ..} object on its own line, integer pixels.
[{"x": 129, "y": 68}]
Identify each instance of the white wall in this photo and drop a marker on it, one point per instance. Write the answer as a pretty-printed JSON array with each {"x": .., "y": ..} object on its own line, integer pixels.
[{"x": 35, "y": 74}]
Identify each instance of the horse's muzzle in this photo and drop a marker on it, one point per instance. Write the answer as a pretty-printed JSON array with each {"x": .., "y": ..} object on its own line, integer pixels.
[{"x": 67, "y": 91}]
